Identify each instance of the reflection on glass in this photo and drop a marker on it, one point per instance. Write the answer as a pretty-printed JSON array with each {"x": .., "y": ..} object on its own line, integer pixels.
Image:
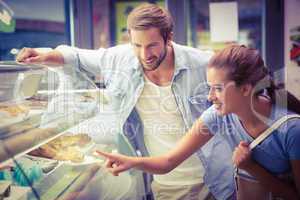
[
  {"x": 39, "y": 23},
  {"x": 110, "y": 20},
  {"x": 250, "y": 22},
  {"x": 60, "y": 100}
]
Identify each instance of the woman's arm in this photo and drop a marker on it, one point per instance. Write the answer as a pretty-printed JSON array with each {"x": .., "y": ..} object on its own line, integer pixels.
[
  {"x": 242, "y": 160},
  {"x": 197, "y": 136}
]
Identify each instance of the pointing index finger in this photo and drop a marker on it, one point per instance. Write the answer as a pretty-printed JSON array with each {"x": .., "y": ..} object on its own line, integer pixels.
[{"x": 104, "y": 154}]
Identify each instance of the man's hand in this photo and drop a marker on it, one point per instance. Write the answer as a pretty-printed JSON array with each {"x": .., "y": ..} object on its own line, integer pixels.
[
  {"x": 117, "y": 163},
  {"x": 241, "y": 157},
  {"x": 30, "y": 55}
]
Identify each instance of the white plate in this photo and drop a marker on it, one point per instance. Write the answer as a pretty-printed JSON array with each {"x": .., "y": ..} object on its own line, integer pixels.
[{"x": 87, "y": 161}]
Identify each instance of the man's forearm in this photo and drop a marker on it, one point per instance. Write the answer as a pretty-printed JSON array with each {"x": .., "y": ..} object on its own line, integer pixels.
[{"x": 55, "y": 57}]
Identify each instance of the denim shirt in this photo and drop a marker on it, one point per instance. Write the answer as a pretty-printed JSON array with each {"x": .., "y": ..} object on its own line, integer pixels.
[{"x": 124, "y": 81}]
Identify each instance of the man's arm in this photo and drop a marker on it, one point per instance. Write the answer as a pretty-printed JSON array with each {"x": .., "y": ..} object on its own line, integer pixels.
[
  {"x": 30, "y": 55},
  {"x": 94, "y": 62}
]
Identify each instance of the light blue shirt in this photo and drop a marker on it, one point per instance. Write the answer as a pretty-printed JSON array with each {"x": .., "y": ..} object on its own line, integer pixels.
[
  {"x": 123, "y": 77},
  {"x": 275, "y": 152}
]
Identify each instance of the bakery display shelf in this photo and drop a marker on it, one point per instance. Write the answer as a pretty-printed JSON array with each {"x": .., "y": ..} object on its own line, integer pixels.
[
  {"x": 65, "y": 182},
  {"x": 11, "y": 66},
  {"x": 27, "y": 136},
  {"x": 14, "y": 127},
  {"x": 31, "y": 120}
]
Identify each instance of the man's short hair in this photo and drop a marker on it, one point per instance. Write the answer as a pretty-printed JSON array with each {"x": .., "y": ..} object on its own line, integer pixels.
[{"x": 147, "y": 16}]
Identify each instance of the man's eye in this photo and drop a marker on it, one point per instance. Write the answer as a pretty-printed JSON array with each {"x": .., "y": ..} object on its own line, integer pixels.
[
  {"x": 152, "y": 45},
  {"x": 136, "y": 45},
  {"x": 218, "y": 88}
]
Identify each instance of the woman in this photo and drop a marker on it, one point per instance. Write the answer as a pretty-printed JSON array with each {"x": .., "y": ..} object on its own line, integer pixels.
[{"x": 245, "y": 103}]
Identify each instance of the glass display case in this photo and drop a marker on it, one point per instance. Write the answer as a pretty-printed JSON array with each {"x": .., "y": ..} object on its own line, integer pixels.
[{"x": 49, "y": 129}]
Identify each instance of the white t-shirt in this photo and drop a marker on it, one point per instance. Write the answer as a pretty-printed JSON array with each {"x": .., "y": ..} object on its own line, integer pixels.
[{"x": 163, "y": 128}]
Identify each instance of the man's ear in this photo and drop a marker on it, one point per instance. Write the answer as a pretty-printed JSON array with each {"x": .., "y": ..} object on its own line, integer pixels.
[
  {"x": 170, "y": 38},
  {"x": 129, "y": 34},
  {"x": 246, "y": 89}
]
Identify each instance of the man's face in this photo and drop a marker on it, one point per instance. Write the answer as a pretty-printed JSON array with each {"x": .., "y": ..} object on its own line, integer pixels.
[{"x": 149, "y": 47}]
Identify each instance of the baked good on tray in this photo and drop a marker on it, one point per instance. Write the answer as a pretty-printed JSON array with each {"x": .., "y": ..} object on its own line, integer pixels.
[
  {"x": 64, "y": 148},
  {"x": 12, "y": 110}
]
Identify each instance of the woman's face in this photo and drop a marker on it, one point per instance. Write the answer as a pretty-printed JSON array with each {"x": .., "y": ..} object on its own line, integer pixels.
[{"x": 224, "y": 94}]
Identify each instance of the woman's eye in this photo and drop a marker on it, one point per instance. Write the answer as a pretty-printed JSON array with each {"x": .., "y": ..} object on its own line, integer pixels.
[{"x": 207, "y": 87}]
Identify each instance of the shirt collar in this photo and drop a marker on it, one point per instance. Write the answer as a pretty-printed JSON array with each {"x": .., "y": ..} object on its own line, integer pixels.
[{"x": 181, "y": 63}]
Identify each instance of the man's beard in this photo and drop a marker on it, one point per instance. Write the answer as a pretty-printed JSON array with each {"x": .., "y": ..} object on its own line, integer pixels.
[{"x": 161, "y": 58}]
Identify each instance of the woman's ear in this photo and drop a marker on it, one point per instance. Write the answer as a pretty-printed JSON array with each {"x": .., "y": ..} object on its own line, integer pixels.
[{"x": 246, "y": 89}]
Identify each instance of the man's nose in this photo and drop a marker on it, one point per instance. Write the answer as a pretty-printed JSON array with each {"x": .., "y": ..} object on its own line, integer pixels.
[{"x": 145, "y": 54}]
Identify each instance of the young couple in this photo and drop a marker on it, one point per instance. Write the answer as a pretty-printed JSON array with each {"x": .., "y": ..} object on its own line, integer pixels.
[{"x": 245, "y": 104}]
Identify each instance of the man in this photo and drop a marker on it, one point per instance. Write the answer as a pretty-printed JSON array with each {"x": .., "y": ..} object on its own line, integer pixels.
[{"x": 159, "y": 88}]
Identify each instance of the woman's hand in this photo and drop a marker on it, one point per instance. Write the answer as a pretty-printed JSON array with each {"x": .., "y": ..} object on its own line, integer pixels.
[
  {"x": 3, "y": 166},
  {"x": 241, "y": 157},
  {"x": 242, "y": 160},
  {"x": 197, "y": 136},
  {"x": 6, "y": 166},
  {"x": 117, "y": 163}
]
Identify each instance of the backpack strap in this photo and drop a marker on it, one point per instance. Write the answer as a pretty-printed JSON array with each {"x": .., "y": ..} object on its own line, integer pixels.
[{"x": 270, "y": 130}]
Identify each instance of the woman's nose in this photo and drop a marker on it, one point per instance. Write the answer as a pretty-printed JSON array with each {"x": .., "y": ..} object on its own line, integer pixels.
[{"x": 211, "y": 95}]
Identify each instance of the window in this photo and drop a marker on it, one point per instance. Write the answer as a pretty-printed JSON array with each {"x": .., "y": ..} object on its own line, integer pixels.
[{"x": 39, "y": 23}]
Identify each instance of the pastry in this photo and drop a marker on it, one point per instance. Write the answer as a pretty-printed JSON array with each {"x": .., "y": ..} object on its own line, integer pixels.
[{"x": 64, "y": 148}]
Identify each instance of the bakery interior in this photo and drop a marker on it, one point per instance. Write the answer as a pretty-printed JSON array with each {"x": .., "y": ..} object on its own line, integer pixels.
[{"x": 51, "y": 123}]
